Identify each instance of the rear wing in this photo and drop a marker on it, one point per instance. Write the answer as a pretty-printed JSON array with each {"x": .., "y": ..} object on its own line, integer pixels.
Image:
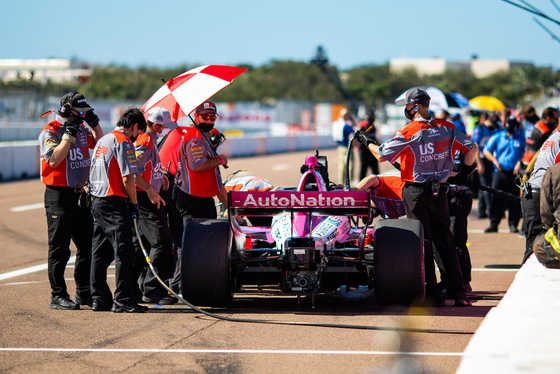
[{"x": 328, "y": 203}]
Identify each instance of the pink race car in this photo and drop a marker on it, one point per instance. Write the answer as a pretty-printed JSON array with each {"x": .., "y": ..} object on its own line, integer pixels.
[{"x": 316, "y": 239}]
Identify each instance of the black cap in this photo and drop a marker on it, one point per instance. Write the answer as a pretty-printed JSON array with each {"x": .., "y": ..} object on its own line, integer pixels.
[
  {"x": 413, "y": 96},
  {"x": 76, "y": 100},
  {"x": 207, "y": 107}
]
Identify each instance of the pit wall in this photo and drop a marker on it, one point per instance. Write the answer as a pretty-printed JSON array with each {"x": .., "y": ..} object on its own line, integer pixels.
[{"x": 20, "y": 159}]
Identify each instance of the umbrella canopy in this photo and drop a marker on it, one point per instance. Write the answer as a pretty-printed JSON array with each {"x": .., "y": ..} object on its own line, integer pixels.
[
  {"x": 440, "y": 100},
  {"x": 486, "y": 103},
  {"x": 182, "y": 94}
]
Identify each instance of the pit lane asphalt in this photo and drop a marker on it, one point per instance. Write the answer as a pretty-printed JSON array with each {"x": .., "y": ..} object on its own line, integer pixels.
[{"x": 34, "y": 338}]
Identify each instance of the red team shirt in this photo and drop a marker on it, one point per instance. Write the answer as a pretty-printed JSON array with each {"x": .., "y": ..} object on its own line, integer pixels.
[
  {"x": 113, "y": 159},
  {"x": 73, "y": 170}
]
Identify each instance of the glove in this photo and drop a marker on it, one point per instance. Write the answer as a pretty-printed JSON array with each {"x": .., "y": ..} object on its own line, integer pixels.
[
  {"x": 92, "y": 119},
  {"x": 364, "y": 138},
  {"x": 133, "y": 210},
  {"x": 461, "y": 177},
  {"x": 72, "y": 125}
]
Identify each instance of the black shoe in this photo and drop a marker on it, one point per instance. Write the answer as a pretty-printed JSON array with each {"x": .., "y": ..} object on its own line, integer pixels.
[
  {"x": 491, "y": 229},
  {"x": 482, "y": 216},
  {"x": 98, "y": 306},
  {"x": 131, "y": 308},
  {"x": 83, "y": 301},
  {"x": 64, "y": 303},
  {"x": 160, "y": 300},
  {"x": 462, "y": 301},
  {"x": 513, "y": 229}
]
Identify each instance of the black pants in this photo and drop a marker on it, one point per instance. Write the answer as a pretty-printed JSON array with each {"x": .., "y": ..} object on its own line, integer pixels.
[
  {"x": 505, "y": 181},
  {"x": 112, "y": 240},
  {"x": 190, "y": 206},
  {"x": 484, "y": 197},
  {"x": 433, "y": 213},
  {"x": 176, "y": 226},
  {"x": 68, "y": 217},
  {"x": 533, "y": 225},
  {"x": 460, "y": 205},
  {"x": 367, "y": 161},
  {"x": 153, "y": 223}
]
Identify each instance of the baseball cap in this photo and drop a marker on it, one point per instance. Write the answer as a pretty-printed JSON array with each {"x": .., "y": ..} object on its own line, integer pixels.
[
  {"x": 77, "y": 101},
  {"x": 207, "y": 107},
  {"x": 161, "y": 116},
  {"x": 415, "y": 95}
]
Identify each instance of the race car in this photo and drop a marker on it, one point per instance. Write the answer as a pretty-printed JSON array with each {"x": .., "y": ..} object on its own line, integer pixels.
[{"x": 318, "y": 240}]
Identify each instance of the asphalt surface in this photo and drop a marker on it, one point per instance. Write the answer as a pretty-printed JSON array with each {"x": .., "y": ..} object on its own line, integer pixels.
[{"x": 34, "y": 338}]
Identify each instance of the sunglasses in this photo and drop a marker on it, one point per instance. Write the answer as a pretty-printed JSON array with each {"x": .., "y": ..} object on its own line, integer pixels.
[{"x": 208, "y": 117}]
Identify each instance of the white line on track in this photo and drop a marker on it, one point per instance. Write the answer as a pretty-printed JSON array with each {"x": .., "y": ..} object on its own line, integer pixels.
[
  {"x": 29, "y": 270},
  {"x": 27, "y": 207},
  {"x": 230, "y": 351},
  {"x": 280, "y": 167}
]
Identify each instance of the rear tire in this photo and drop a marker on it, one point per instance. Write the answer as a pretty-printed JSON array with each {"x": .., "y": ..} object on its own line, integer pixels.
[
  {"x": 399, "y": 261},
  {"x": 206, "y": 262}
]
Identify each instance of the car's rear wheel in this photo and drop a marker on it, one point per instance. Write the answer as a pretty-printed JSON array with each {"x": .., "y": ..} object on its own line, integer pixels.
[
  {"x": 206, "y": 262},
  {"x": 398, "y": 261}
]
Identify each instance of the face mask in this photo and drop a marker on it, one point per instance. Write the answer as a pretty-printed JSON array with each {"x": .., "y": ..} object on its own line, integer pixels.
[
  {"x": 510, "y": 128},
  {"x": 206, "y": 127},
  {"x": 163, "y": 133},
  {"x": 409, "y": 114}
]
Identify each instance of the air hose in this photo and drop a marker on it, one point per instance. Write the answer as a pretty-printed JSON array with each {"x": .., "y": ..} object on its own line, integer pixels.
[{"x": 289, "y": 323}]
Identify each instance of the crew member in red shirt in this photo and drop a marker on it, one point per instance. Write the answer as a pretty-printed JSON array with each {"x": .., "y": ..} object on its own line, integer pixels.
[
  {"x": 198, "y": 176},
  {"x": 114, "y": 207},
  {"x": 65, "y": 161}
]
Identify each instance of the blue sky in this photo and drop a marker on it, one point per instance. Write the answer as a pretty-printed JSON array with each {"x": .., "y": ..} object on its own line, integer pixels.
[{"x": 168, "y": 33}]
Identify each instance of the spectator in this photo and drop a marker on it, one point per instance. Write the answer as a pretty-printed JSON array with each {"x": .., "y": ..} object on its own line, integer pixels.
[
  {"x": 531, "y": 119},
  {"x": 504, "y": 149},
  {"x": 487, "y": 126},
  {"x": 342, "y": 130}
]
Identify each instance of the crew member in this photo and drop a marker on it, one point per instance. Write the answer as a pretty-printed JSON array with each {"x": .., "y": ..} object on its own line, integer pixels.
[
  {"x": 540, "y": 132},
  {"x": 112, "y": 178},
  {"x": 168, "y": 147},
  {"x": 548, "y": 155},
  {"x": 152, "y": 219},
  {"x": 65, "y": 162},
  {"x": 426, "y": 149},
  {"x": 198, "y": 176}
]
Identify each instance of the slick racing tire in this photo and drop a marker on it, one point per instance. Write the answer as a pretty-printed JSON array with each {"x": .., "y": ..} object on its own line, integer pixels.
[
  {"x": 398, "y": 256},
  {"x": 206, "y": 261}
]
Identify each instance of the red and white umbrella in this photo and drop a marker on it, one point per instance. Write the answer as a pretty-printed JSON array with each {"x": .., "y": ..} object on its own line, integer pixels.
[{"x": 182, "y": 94}]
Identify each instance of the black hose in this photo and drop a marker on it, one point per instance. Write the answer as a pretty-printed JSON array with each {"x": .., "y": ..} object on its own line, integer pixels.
[{"x": 288, "y": 323}]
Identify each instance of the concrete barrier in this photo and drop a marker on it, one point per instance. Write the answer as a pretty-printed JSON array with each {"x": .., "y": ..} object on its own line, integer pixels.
[
  {"x": 21, "y": 159},
  {"x": 520, "y": 335}
]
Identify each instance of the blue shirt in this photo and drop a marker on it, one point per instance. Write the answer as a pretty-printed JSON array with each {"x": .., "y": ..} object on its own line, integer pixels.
[
  {"x": 481, "y": 134},
  {"x": 508, "y": 150}
]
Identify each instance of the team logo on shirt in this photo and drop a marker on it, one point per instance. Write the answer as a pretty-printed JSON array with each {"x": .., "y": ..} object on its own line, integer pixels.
[{"x": 101, "y": 150}]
